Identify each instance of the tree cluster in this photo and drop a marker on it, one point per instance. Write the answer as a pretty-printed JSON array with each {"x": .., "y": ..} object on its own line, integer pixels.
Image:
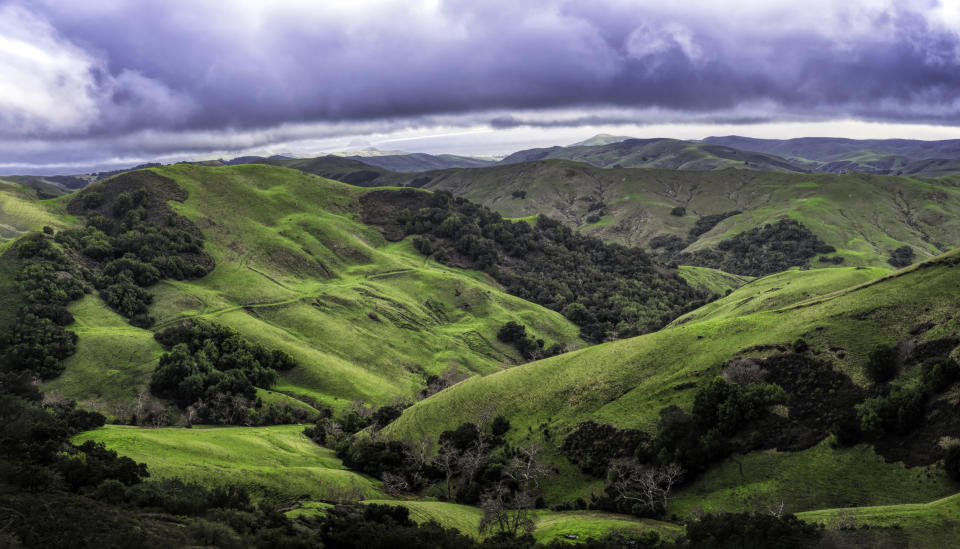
[
  {"x": 48, "y": 280},
  {"x": 608, "y": 290},
  {"x": 530, "y": 347},
  {"x": 213, "y": 372},
  {"x": 133, "y": 239},
  {"x": 761, "y": 251},
  {"x": 901, "y": 257}
]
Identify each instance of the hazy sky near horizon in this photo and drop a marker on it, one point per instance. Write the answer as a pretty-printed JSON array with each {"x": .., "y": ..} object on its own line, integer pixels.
[{"x": 107, "y": 83}]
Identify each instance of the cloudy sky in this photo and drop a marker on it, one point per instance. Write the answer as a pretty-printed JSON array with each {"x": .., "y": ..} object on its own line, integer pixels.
[{"x": 108, "y": 83}]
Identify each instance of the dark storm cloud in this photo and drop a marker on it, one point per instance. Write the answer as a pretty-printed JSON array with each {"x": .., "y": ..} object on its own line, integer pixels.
[{"x": 97, "y": 72}]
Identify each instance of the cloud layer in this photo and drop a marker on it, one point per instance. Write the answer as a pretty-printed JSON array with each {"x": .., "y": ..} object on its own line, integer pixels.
[{"x": 116, "y": 79}]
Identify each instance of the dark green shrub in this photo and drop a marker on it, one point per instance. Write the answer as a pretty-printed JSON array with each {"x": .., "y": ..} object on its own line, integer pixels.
[{"x": 883, "y": 364}]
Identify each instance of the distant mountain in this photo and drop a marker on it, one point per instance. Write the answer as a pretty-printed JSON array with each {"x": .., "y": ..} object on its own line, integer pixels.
[
  {"x": 670, "y": 154},
  {"x": 601, "y": 139},
  {"x": 51, "y": 186},
  {"x": 837, "y": 155},
  {"x": 421, "y": 162}
]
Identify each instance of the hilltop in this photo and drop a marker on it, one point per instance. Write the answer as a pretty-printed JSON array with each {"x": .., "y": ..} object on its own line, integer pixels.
[{"x": 671, "y": 154}]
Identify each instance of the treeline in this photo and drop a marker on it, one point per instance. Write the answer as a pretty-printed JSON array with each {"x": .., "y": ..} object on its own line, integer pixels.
[
  {"x": 132, "y": 239},
  {"x": 212, "y": 373},
  {"x": 608, "y": 290},
  {"x": 760, "y": 251}
]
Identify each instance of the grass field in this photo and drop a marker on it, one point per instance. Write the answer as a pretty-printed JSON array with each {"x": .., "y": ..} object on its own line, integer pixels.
[
  {"x": 548, "y": 525},
  {"x": 275, "y": 462},
  {"x": 915, "y": 525}
]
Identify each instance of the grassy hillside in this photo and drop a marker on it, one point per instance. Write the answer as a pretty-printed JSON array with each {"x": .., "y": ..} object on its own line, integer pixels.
[
  {"x": 21, "y": 211},
  {"x": 626, "y": 383},
  {"x": 780, "y": 290},
  {"x": 714, "y": 281},
  {"x": 914, "y": 525},
  {"x": 421, "y": 162},
  {"x": 548, "y": 525},
  {"x": 296, "y": 270},
  {"x": 864, "y": 217},
  {"x": 670, "y": 154},
  {"x": 276, "y": 462}
]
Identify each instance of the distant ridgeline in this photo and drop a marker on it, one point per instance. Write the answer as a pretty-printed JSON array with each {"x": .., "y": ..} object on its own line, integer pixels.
[{"x": 607, "y": 289}]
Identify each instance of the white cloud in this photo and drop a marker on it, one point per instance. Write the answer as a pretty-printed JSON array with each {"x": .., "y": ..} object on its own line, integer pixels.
[{"x": 46, "y": 83}]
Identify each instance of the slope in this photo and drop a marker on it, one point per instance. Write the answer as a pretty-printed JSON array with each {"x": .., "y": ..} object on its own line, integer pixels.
[
  {"x": 295, "y": 270},
  {"x": 276, "y": 462},
  {"x": 421, "y": 162},
  {"x": 864, "y": 217},
  {"x": 626, "y": 383}
]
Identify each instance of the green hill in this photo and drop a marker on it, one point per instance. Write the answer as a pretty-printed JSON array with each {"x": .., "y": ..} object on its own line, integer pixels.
[
  {"x": 864, "y": 217},
  {"x": 670, "y": 154},
  {"x": 626, "y": 383},
  {"x": 275, "y": 462},
  {"x": 421, "y": 162},
  {"x": 296, "y": 270}
]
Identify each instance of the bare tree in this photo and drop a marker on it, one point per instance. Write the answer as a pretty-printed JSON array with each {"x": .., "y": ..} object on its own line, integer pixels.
[
  {"x": 416, "y": 454},
  {"x": 506, "y": 511},
  {"x": 743, "y": 371},
  {"x": 510, "y": 510},
  {"x": 645, "y": 487},
  {"x": 394, "y": 484},
  {"x": 447, "y": 460}
]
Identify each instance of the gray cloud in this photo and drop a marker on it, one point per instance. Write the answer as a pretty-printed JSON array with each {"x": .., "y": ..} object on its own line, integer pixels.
[{"x": 135, "y": 78}]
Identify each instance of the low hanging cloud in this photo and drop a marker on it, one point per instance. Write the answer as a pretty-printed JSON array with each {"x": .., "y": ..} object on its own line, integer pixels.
[{"x": 118, "y": 79}]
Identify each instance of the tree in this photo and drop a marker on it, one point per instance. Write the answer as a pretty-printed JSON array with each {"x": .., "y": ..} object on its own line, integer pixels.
[
  {"x": 646, "y": 488},
  {"x": 446, "y": 461},
  {"x": 951, "y": 462},
  {"x": 883, "y": 363},
  {"x": 508, "y": 506}
]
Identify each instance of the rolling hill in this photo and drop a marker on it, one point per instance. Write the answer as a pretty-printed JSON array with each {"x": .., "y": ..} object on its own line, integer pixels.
[
  {"x": 296, "y": 270},
  {"x": 671, "y": 154},
  {"x": 421, "y": 162},
  {"x": 864, "y": 217},
  {"x": 626, "y": 383},
  {"x": 877, "y": 156}
]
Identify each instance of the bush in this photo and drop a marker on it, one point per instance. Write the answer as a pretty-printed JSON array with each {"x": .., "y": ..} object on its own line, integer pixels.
[
  {"x": 901, "y": 257},
  {"x": 951, "y": 462},
  {"x": 679, "y": 211},
  {"x": 759, "y": 531},
  {"x": 883, "y": 364}
]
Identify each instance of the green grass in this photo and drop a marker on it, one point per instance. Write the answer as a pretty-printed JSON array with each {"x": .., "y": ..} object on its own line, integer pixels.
[
  {"x": 548, "y": 525},
  {"x": 916, "y": 525},
  {"x": 714, "y": 281},
  {"x": 275, "y": 462},
  {"x": 812, "y": 479},
  {"x": 627, "y": 382},
  {"x": 780, "y": 290}
]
